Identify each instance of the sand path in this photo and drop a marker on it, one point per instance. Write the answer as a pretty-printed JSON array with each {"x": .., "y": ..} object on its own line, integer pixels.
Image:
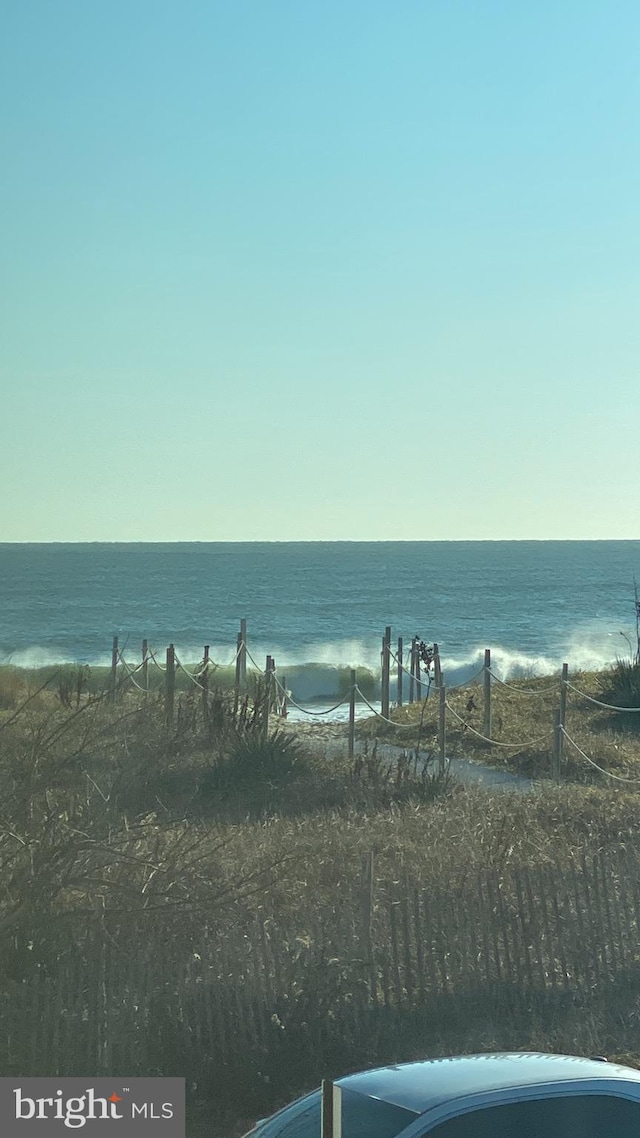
[{"x": 331, "y": 739}]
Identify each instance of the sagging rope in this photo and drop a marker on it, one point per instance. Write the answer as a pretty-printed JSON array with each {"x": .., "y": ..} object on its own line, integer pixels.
[
  {"x": 598, "y": 702},
  {"x": 524, "y": 691},
  {"x": 392, "y": 722},
  {"x": 152, "y": 656},
  {"x": 453, "y": 687},
  {"x": 127, "y": 665},
  {"x": 421, "y": 681},
  {"x": 203, "y": 666},
  {"x": 131, "y": 673},
  {"x": 494, "y": 742},
  {"x": 255, "y": 664},
  {"x": 135, "y": 683},
  {"x": 211, "y": 665},
  {"x": 187, "y": 673},
  {"x": 241, "y": 645},
  {"x": 306, "y": 710},
  {"x": 617, "y": 777}
]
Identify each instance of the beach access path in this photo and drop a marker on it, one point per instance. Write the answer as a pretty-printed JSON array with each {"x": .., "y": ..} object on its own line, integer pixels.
[{"x": 330, "y": 739}]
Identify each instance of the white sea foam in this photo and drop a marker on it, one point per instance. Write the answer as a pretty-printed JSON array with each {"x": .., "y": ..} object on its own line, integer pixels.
[
  {"x": 319, "y": 670},
  {"x": 334, "y": 653},
  {"x": 587, "y": 650},
  {"x": 40, "y": 657}
]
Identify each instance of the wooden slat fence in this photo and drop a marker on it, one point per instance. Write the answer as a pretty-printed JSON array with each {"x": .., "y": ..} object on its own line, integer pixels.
[{"x": 239, "y": 997}]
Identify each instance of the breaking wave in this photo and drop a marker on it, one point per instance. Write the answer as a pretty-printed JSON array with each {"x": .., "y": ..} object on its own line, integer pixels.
[{"x": 320, "y": 671}]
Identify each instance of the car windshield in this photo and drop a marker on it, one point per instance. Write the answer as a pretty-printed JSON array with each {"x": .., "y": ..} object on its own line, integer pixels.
[{"x": 362, "y": 1117}]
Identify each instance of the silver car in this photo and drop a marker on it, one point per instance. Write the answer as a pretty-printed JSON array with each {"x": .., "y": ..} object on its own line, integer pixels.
[{"x": 506, "y": 1095}]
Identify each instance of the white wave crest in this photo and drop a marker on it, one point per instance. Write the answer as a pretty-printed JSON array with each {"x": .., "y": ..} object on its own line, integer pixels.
[
  {"x": 40, "y": 657},
  {"x": 320, "y": 669}
]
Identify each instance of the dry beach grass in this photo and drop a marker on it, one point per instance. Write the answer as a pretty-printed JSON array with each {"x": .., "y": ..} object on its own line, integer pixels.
[
  {"x": 109, "y": 815},
  {"x": 523, "y": 714}
]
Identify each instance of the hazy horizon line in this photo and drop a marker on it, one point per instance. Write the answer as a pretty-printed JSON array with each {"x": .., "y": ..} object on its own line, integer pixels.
[{"x": 323, "y": 541}]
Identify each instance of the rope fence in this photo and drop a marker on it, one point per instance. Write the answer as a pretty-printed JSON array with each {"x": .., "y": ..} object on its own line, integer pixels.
[
  {"x": 189, "y": 674},
  {"x": 599, "y": 703},
  {"x": 307, "y": 710},
  {"x": 523, "y": 691},
  {"x": 494, "y": 742},
  {"x": 131, "y": 672},
  {"x": 378, "y": 714},
  {"x": 609, "y": 774},
  {"x": 153, "y": 657},
  {"x": 273, "y": 696},
  {"x": 254, "y": 662}
]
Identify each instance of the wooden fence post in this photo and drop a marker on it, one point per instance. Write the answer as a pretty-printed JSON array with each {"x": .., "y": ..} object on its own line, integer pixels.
[
  {"x": 145, "y": 665},
  {"x": 412, "y": 672},
  {"x": 487, "y": 693},
  {"x": 331, "y": 1110},
  {"x": 238, "y": 663},
  {"x": 352, "y": 712},
  {"x": 386, "y": 669},
  {"x": 284, "y": 708},
  {"x": 170, "y": 684},
  {"x": 400, "y": 671},
  {"x": 417, "y": 673},
  {"x": 437, "y": 670},
  {"x": 113, "y": 675},
  {"x": 442, "y": 727}
]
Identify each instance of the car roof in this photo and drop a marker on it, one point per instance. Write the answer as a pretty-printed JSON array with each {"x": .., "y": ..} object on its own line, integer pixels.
[{"x": 427, "y": 1083}]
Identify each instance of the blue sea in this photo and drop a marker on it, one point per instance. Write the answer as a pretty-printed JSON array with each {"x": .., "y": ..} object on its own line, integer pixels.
[{"x": 535, "y": 604}]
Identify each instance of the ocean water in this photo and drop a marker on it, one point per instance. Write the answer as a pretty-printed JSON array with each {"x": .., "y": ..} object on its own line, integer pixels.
[{"x": 535, "y": 604}]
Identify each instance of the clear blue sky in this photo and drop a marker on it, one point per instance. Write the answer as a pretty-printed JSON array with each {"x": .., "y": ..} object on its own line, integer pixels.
[{"x": 290, "y": 269}]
